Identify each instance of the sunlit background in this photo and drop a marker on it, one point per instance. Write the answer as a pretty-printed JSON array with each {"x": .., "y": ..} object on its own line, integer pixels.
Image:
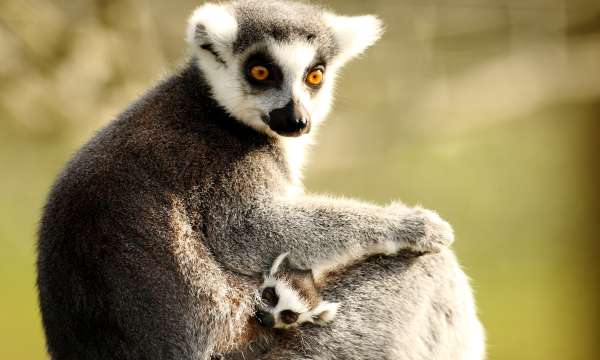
[{"x": 485, "y": 110}]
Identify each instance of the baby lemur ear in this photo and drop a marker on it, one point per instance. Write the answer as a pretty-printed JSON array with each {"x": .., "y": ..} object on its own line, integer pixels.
[
  {"x": 212, "y": 28},
  {"x": 325, "y": 312},
  {"x": 265, "y": 274},
  {"x": 353, "y": 34},
  {"x": 281, "y": 263}
]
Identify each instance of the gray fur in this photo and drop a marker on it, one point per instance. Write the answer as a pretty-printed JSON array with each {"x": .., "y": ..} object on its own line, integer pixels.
[
  {"x": 282, "y": 21},
  {"x": 153, "y": 236},
  {"x": 400, "y": 307}
]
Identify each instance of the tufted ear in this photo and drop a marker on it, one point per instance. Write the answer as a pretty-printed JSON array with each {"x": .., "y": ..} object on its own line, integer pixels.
[
  {"x": 282, "y": 263},
  {"x": 353, "y": 34},
  {"x": 212, "y": 27},
  {"x": 325, "y": 312}
]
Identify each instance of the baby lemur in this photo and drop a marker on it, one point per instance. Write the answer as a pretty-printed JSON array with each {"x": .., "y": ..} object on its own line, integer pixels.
[{"x": 290, "y": 297}]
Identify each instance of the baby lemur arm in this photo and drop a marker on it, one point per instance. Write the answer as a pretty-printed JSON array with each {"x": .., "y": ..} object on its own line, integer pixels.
[{"x": 315, "y": 229}]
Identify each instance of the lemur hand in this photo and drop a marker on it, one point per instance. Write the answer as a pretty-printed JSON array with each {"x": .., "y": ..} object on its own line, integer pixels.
[{"x": 421, "y": 230}]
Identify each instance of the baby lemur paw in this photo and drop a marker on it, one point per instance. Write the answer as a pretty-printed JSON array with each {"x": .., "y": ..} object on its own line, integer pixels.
[{"x": 424, "y": 230}]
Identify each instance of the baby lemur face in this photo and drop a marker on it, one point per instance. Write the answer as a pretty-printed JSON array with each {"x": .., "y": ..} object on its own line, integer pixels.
[{"x": 290, "y": 297}]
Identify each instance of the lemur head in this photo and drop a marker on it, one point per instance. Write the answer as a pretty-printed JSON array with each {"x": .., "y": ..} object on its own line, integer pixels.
[
  {"x": 272, "y": 64},
  {"x": 290, "y": 298}
]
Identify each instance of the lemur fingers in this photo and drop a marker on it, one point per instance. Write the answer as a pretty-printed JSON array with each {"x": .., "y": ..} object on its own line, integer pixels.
[{"x": 425, "y": 231}]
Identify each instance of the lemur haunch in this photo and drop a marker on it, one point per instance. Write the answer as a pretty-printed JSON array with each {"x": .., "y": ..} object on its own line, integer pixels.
[{"x": 153, "y": 234}]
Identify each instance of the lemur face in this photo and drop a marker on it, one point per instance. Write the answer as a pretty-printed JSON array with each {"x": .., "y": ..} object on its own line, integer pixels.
[
  {"x": 289, "y": 298},
  {"x": 286, "y": 83},
  {"x": 272, "y": 64}
]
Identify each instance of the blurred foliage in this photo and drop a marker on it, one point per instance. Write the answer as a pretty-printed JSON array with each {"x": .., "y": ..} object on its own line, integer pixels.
[{"x": 485, "y": 110}]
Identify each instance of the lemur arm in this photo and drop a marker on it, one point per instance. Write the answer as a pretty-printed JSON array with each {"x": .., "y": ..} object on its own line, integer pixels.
[{"x": 316, "y": 229}]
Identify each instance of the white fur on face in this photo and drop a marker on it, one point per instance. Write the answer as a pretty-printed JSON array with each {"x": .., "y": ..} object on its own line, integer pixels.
[
  {"x": 295, "y": 59},
  {"x": 216, "y": 25},
  {"x": 231, "y": 90},
  {"x": 290, "y": 299}
]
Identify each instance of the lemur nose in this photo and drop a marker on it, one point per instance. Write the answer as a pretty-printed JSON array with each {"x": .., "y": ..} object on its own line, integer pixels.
[
  {"x": 265, "y": 319},
  {"x": 302, "y": 123},
  {"x": 290, "y": 120}
]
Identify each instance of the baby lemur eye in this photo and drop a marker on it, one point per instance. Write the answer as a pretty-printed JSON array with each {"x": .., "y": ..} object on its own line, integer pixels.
[
  {"x": 288, "y": 317},
  {"x": 269, "y": 297}
]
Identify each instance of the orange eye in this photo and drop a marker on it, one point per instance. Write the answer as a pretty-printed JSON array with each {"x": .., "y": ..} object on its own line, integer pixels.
[
  {"x": 259, "y": 72},
  {"x": 315, "y": 77}
]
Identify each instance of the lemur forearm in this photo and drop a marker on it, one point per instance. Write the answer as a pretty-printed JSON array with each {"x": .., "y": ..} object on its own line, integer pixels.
[{"x": 315, "y": 229}]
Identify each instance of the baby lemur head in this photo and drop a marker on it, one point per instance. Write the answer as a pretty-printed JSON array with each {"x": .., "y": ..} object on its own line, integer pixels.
[{"x": 290, "y": 298}]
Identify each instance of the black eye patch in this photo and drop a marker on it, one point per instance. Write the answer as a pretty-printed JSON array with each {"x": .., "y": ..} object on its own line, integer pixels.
[
  {"x": 269, "y": 297},
  {"x": 289, "y": 317},
  {"x": 275, "y": 75}
]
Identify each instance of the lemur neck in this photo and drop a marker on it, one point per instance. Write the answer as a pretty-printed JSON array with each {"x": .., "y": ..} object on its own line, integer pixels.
[{"x": 295, "y": 151}]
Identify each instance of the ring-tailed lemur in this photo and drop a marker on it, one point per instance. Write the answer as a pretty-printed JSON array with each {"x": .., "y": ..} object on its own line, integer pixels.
[{"x": 152, "y": 235}]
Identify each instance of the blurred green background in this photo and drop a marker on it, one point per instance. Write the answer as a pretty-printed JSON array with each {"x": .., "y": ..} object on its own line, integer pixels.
[{"x": 485, "y": 110}]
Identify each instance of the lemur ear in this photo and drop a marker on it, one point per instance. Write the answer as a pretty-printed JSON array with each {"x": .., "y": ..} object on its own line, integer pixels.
[
  {"x": 325, "y": 312},
  {"x": 212, "y": 27},
  {"x": 353, "y": 34},
  {"x": 311, "y": 274},
  {"x": 281, "y": 263}
]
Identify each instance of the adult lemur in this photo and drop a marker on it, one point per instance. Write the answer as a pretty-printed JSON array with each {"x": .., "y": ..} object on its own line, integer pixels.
[{"x": 152, "y": 236}]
